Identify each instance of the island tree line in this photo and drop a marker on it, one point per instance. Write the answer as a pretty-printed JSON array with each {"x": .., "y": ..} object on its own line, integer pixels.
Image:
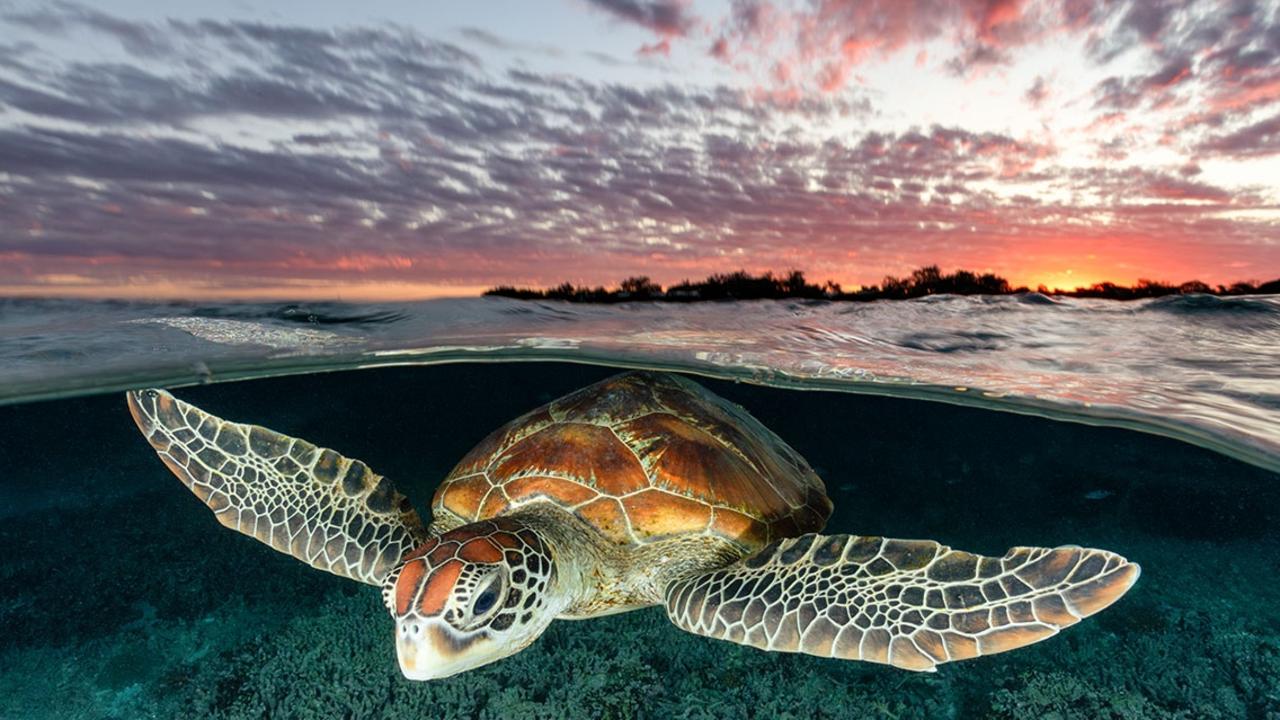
[{"x": 929, "y": 280}]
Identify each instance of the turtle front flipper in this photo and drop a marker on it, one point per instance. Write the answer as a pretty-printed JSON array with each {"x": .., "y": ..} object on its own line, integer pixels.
[
  {"x": 912, "y": 604},
  {"x": 328, "y": 511}
]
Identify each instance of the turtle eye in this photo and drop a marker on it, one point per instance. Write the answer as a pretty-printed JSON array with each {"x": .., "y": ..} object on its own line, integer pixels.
[{"x": 486, "y": 598}]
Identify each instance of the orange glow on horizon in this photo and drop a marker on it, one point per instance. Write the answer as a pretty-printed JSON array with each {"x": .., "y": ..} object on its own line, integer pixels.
[
  {"x": 1056, "y": 263},
  {"x": 1070, "y": 280}
]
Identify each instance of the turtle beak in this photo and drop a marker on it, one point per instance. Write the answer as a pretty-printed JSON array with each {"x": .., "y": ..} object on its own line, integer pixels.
[
  {"x": 407, "y": 654},
  {"x": 430, "y": 649}
]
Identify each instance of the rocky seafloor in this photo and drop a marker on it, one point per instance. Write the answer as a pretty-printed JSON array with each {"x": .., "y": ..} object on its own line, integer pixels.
[{"x": 121, "y": 596}]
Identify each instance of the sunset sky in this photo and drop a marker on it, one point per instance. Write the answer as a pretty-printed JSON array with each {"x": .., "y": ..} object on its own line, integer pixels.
[{"x": 386, "y": 150}]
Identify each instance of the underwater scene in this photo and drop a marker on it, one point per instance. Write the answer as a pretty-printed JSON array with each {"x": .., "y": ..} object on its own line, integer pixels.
[{"x": 121, "y": 596}]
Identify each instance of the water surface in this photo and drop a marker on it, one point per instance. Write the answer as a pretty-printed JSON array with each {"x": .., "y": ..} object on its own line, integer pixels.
[{"x": 1199, "y": 368}]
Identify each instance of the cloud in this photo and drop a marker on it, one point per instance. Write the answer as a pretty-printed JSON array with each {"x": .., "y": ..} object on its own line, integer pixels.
[
  {"x": 662, "y": 47},
  {"x": 604, "y": 58},
  {"x": 719, "y": 50},
  {"x": 829, "y": 38},
  {"x": 1226, "y": 53},
  {"x": 486, "y": 38},
  {"x": 1173, "y": 73},
  {"x": 1162, "y": 186},
  {"x": 1038, "y": 92},
  {"x": 940, "y": 154},
  {"x": 664, "y": 17},
  {"x": 1148, "y": 18},
  {"x": 493, "y": 41},
  {"x": 1211, "y": 75},
  {"x": 1260, "y": 139},
  {"x": 141, "y": 39}
]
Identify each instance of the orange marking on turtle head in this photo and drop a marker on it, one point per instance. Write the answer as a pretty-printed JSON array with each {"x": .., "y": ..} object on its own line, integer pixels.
[
  {"x": 407, "y": 584},
  {"x": 443, "y": 553},
  {"x": 438, "y": 588},
  {"x": 480, "y": 550},
  {"x": 506, "y": 540},
  {"x": 422, "y": 549}
]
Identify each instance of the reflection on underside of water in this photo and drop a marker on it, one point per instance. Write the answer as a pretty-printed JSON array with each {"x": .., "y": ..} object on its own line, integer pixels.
[{"x": 1199, "y": 368}]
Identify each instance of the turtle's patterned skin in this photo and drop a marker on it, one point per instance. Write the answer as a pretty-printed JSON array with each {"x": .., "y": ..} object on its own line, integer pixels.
[
  {"x": 299, "y": 499},
  {"x": 643, "y": 489},
  {"x": 924, "y": 603}
]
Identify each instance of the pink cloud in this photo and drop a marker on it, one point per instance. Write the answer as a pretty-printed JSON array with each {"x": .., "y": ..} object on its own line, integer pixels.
[
  {"x": 720, "y": 50},
  {"x": 1247, "y": 95},
  {"x": 782, "y": 72},
  {"x": 1106, "y": 121},
  {"x": 993, "y": 20},
  {"x": 832, "y": 37},
  {"x": 662, "y": 47}
]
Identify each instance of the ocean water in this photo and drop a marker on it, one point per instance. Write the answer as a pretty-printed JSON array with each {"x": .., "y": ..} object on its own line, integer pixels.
[{"x": 1149, "y": 428}]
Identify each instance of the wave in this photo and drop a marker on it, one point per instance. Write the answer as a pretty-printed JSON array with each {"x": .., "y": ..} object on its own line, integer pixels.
[{"x": 1267, "y": 305}]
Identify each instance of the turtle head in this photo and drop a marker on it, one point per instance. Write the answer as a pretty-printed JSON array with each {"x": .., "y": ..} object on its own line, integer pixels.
[{"x": 474, "y": 595}]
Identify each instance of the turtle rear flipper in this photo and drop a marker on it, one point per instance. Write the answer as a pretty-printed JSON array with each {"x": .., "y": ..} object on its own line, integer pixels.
[
  {"x": 912, "y": 604},
  {"x": 328, "y": 511}
]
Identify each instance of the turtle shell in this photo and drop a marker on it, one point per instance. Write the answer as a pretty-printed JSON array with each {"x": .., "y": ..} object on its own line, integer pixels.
[{"x": 643, "y": 457}]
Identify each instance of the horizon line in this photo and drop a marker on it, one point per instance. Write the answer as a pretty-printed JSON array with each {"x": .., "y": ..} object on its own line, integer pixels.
[{"x": 372, "y": 292}]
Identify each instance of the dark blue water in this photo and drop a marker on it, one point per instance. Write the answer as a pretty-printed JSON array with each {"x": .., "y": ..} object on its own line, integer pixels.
[{"x": 122, "y": 597}]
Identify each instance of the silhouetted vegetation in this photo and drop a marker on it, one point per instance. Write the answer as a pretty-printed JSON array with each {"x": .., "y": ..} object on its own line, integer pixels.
[{"x": 929, "y": 280}]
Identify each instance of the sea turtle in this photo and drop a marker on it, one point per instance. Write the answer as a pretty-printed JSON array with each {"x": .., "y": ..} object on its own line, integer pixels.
[{"x": 643, "y": 489}]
